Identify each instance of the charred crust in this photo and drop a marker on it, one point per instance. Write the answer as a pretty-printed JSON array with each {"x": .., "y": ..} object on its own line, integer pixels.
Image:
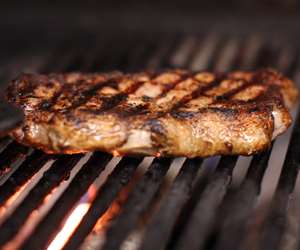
[
  {"x": 253, "y": 110},
  {"x": 141, "y": 109},
  {"x": 183, "y": 114},
  {"x": 155, "y": 126},
  {"x": 146, "y": 98},
  {"x": 227, "y": 112},
  {"x": 158, "y": 134},
  {"x": 45, "y": 105},
  {"x": 110, "y": 102}
]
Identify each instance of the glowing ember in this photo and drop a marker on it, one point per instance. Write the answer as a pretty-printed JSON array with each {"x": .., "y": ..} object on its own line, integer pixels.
[
  {"x": 69, "y": 227},
  {"x": 81, "y": 209},
  {"x": 73, "y": 220},
  {"x": 114, "y": 208},
  {"x": 116, "y": 153}
]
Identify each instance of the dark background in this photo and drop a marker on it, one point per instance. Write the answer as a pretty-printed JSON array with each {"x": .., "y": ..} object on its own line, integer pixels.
[
  {"x": 27, "y": 25},
  {"x": 169, "y": 15}
]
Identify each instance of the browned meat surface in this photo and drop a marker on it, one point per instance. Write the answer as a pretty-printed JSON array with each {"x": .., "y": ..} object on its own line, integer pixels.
[{"x": 171, "y": 113}]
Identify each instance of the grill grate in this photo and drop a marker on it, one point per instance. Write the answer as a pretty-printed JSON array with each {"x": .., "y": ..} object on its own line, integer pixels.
[{"x": 199, "y": 208}]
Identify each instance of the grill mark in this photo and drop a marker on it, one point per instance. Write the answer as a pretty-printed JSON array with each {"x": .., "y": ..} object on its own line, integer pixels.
[
  {"x": 141, "y": 109},
  {"x": 84, "y": 97},
  {"x": 229, "y": 112},
  {"x": 230, "y": 93},
  {"x": 113, "y": 101},
  {"x": 226, "y": 96},
  {"x": 49, "y": 104},
  {"x": 272, "y": 93},
  {"x": 235, "y": 91},
  {"x": 199, "y": 91},
  {"x": 153, "y": 121},
  {"x": 131, "y": 111},
  {"x": 171, "y": 86},
  {"x": 89, "y": 93},
  {"x": 256, "y": 80},
  {"x": 24, "y": 85}
]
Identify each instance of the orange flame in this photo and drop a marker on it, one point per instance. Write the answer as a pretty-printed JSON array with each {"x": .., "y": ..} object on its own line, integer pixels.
[
  {"x": 116, "y": 153},
  {"x": 115, "y": 207},
  {"x": 72, "y": 221},
  {"x": 69, "y": 227},
  {"x": 81, "y": 209}
]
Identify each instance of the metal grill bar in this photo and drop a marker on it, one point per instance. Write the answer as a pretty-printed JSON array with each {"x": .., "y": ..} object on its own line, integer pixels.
[
  {"x": 137, "y": 203},
  {"x": 11, "y": 154},
  {"x": 216, "y": 54},
  {"x": 25, "y": 171},
  {"x": 201, "y": 221},
  {"x": 105, "y": 61},
  {"x": 52, "y": 221},
  {"x": 160, "y": 227},
  {"x": 142, "y": 50},
  {"x": 64, "y": 52},
  {"x": 123, "y": 58},
  {"x": 276, "y": 220},
  {"x": 237, "y": 207},
  {"x": 58, "y": 172},
  {"x": 239, "y": 204},
  {"x": 108, "y": 192},
  {"x": 162, "y": 56}
]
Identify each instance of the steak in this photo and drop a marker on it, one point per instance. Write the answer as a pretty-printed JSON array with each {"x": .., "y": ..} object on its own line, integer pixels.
[{"x": 165, "y": 113}]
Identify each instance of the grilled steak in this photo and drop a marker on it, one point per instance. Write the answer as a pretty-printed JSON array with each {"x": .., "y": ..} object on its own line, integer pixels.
[{"x": 170, "y": 113}]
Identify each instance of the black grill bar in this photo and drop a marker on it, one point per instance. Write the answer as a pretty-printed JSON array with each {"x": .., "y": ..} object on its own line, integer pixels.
[
  {"x": 11, "y": 154},
  {"x": 143, "y": 50},
  {"x": 268, "y": 55},
  {"x": 25, "y": 171},
  {"x": 95, "y": 60},
  {"x": 237, "y": 208},
  {"x": 120, "y": 176},
  {"x": 163, "y": 54},
  {"x": 106, "y": 61},
  {"x": 63, "y": 57},
  {"x": 201, "y": 220},
  {"x": 74, "y": 54},
  {"x": 52, "y": 221},
  {"x": 137, "y": 203},
  {"x": 216, "y": 54},
  {"x": 161, "y": 225},
  {"x": 276, "y": 221},
  {"x": 58, "y": 172}
]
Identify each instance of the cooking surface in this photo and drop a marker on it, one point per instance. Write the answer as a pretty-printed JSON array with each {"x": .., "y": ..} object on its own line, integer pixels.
[{"x": 214, "y": 203}]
